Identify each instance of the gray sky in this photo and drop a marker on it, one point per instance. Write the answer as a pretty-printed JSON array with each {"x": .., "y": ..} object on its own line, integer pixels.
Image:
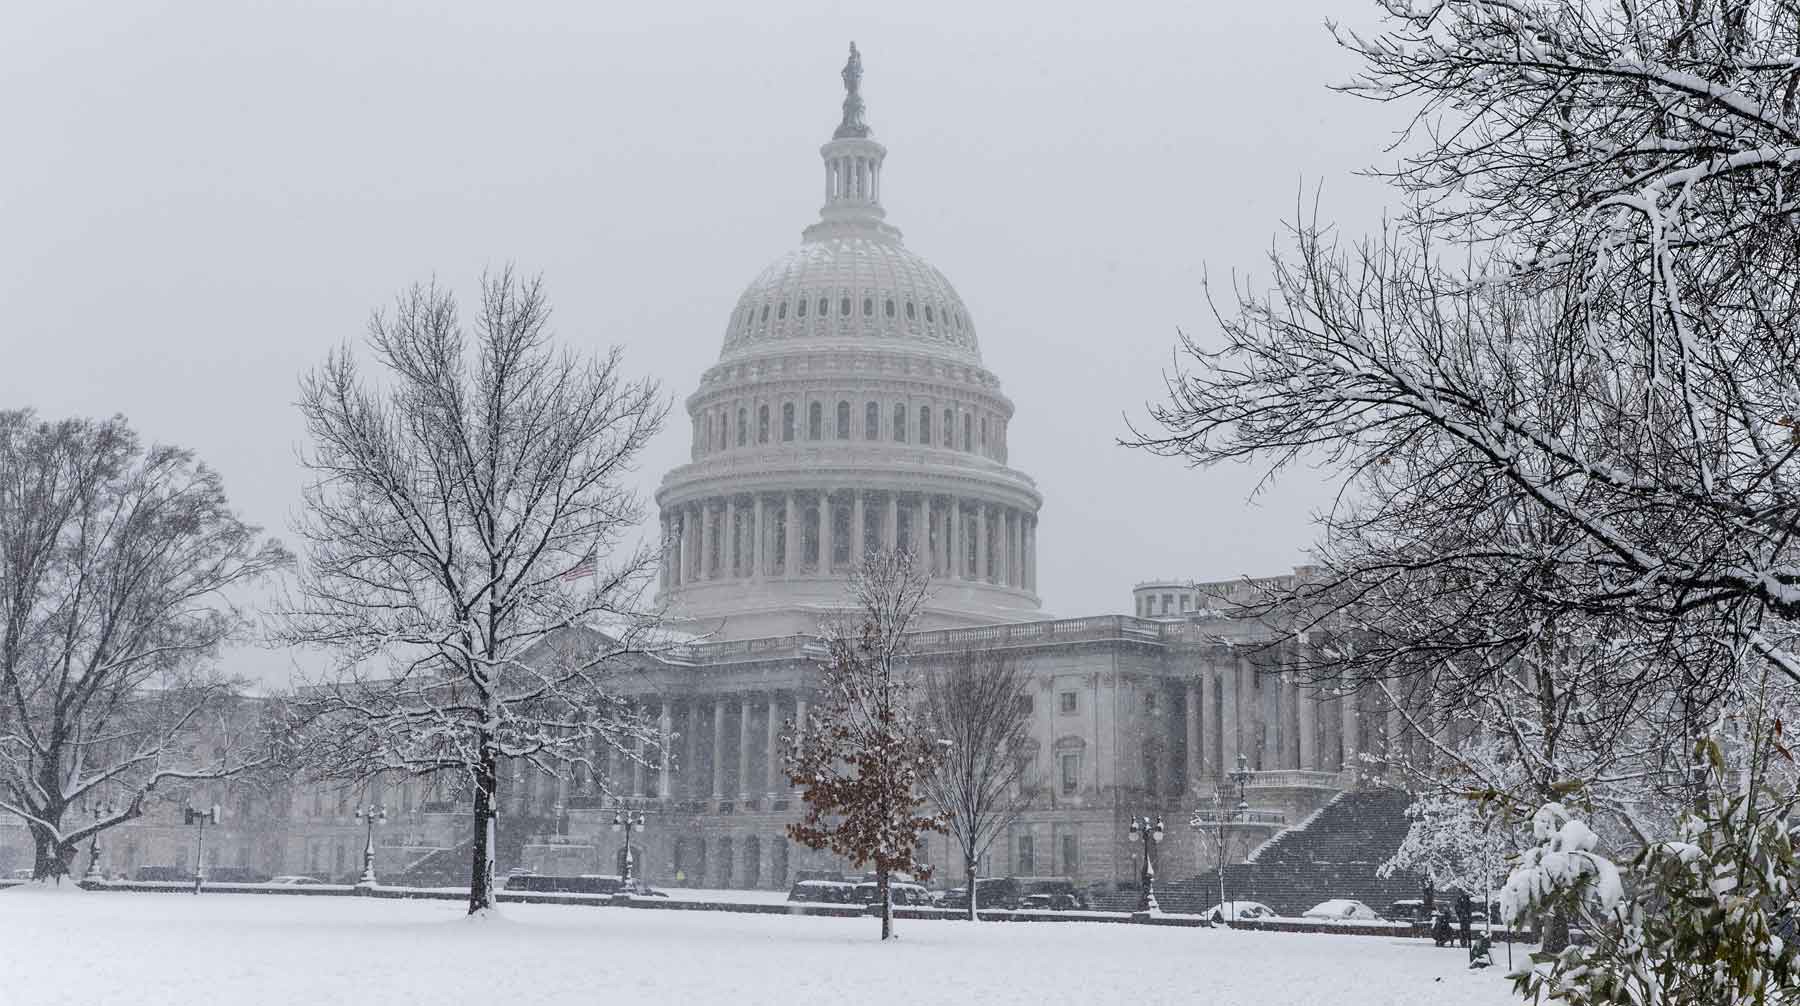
[{"x": 199, "y": 199}]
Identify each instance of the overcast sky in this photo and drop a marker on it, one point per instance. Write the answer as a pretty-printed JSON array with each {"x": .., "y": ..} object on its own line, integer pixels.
[{"x": 199, "y": 199}]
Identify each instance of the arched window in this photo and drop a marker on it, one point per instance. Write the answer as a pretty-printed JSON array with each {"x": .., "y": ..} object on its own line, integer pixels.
[
  {"x": 968, "y": 433},
  {"x": 899, "y": 423},
  {"x": 800, "y": 308},
  {"x": 871, "y": 421},
  {"x": 868, "y": 307},
  {"x": 765, "y": 312},
  {"x": 909, "y": 311},
  {"x": 890, "y": 307},
  {"x": 787, "y": 422},
  {"x": 781, "y": 310},
  {"x": 815, "y": 422},
  {"x": 928, "y": 317},
  {"x": 984, "y": 433},
  {"x": 844, "y": 307},
  {"x": 843, "y": 421},
  {"x": 762, "y": 424},
  {"x": 949, "y": 428},
  {"x": 925, "y": 425},
  {"x": 824, "y": 307},
  {"x": 743, "y": 432},
  {"x": 708, "y": 440}
]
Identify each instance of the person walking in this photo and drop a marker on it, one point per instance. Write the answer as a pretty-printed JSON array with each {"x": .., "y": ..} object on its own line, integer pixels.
[{"x": 1465, "y": 914}]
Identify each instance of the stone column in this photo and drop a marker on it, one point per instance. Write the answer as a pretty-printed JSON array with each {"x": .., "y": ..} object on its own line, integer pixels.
[
  {"x": 799, "y": 717},
  {"x": 1272, "y": 733},
  {"x": 1003, "y": 540},
  {"x": 718, "y": 748},
  {"x": 758, "y": 546},
  {"x": 706, "y": 540},
  {"x": 858, "y": 530},
  {"x": 729, "y": 560},
  {"x": 772, "y": 752},
  {"x": 790, "y": 559},
  {"x": 1306, "y": 700},
  {"x": 1020, "y": 559},
  {"x": 743, "y": 752},
  {"x": 1209, "y": 724},
  {"x": 1394, "y": 728},
  {"x": 665, "y": 730},
  {"x": 921, "y": 530},
  {"x": 825, "y": 531},
  {"x": 1191, "y": 707},
  {"x": 1230, "y": 740},
  {"x": 981, "y": 537},
  {"x": 890, "y": 531},
  {"x": 953, "y": 540},
  {"x": 1348, "y": 712},
  {"x": 688, "y": 775}
]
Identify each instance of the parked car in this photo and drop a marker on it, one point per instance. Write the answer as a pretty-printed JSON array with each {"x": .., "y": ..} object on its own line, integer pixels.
[
  {"x": 826, "y": 892},
  {"x": 163, "y": 874},
  {"x": 1239, "y": 911},
  {"x": 296, "y": 880},
  {"x": 1342, "y": 910},
  {"x": 24, "y": 874},
  {"x": 586, "y": 883},
  {"x": 1052, "y": 901},
  {"x": 903, "y": 893}
]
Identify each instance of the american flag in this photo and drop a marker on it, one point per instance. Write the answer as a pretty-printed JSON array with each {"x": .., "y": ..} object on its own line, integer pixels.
[{"x": 586, "y": 567}]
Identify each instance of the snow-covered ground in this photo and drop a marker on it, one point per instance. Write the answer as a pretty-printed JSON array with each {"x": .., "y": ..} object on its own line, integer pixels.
[{"x": 155, "y": 949}]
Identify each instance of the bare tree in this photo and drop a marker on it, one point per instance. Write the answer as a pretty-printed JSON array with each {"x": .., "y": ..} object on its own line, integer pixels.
[
  {"x": 974, "y": 708},
  {"x": 863, "y": 756},
  {"x": 467, "y": 560},
  {"x": 115, "y": 565}
]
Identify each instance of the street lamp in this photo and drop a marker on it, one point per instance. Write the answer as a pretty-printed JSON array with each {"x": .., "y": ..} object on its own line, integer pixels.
[
  {"x": 627, "y": 821},
  {"x": 94, "y": 875},
  {"x": 370, "y": 815},
  {"x": 191, "y": 816},
  {"x": 1239, "y": 811},
  {"x": 1149, "y": 832}
]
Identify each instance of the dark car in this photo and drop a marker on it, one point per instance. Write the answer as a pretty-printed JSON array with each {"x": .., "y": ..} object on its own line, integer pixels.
[
  {"x": 902, "y": 893},
  {"x": 1052, "y": 901},
  {"x": 827, "y": 892}
]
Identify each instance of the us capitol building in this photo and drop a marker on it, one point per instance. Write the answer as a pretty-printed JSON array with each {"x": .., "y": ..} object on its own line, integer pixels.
[{"x": 849, "y": 411}]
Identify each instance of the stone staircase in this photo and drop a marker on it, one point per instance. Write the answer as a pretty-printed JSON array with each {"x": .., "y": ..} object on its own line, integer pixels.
[{"x": 1333, "y": 854}]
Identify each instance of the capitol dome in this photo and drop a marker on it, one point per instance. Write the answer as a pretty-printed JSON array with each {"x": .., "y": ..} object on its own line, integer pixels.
[{"x": 848, "y": 412}]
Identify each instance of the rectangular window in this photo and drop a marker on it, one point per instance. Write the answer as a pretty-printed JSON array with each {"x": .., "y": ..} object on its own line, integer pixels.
[
  {"x": 1070, "y": 764},
  {"x": 1025, "y": 865},
  {"x": 1168, "y": 603},
  {"x": 1187, "y": 602},
  {"x": 1070, "y": 867},
  {"x": 1066, "y": 702},
  {"x": 787, "y": 422}
]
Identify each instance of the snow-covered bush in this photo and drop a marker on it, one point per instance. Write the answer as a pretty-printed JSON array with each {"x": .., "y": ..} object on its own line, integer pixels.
[{"x": 1705, "y": 920}]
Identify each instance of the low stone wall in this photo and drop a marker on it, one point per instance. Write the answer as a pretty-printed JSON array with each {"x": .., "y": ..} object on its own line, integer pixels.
[{"x": 1391, "y": 930}]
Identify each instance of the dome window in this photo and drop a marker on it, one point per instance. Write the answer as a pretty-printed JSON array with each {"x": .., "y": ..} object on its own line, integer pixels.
[
  {"x": 844, "y": 307},
  {"x": 762, "y": 424},
  {"x": 765, "y": 312},
  {"x": 910, "y": 316},
  {"x": 949, "y": 428},
  {"x": 787, "y": 422},
  {"x": 781, "y": 311},
  {"x": 890, "y": 307},
  {"x": 899, "y": 423},
  {"x": 824, "y": 307},
  {"x": 871, "y": 421},
  {"x": 868, "y": 307},
  {"x": 742, "y": 428},
  {"x": 815, "y": 422},
  {"x": 925, "y": 425},
  {"x": 928, "y": 317},
  {"x": 843, "y": 421},
  {"x": 800, "y": 308}
]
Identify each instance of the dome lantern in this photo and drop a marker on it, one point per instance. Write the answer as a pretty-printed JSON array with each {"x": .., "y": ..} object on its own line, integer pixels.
[{"x": 853, "y": 161}]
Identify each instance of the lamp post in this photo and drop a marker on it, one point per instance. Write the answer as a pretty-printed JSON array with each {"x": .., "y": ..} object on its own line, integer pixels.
[
  {"x": 370, "y": 815},
  {"x": 192, "y": 816},
  {"x": 1239, "y": 810},
  {"x": 94, "y": 875},
  {"x": 1149, "y": 832},
  {"x": 627, "y": 821}
]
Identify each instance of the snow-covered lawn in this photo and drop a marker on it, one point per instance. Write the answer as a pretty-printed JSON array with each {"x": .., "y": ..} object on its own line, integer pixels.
[{"x": 269, "y": 950}]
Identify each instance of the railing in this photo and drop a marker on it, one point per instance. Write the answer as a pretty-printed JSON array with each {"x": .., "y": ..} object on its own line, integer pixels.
[
  {"x": 1214, "y": 818},
  {"x": 1298, "y": 779}
]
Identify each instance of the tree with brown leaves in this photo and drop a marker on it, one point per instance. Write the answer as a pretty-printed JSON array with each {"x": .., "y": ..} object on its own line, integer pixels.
[{"x": 862, "y": 757}]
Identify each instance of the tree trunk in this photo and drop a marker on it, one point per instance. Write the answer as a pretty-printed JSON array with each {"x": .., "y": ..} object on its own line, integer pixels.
[
  {"x": 887, "y": 902},
  {"x": 50, "y": 861},
  {"x": 481, "y": 866},
  {"x": 969, "y": 868},
  {"x": 1555, "y": 932}
]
